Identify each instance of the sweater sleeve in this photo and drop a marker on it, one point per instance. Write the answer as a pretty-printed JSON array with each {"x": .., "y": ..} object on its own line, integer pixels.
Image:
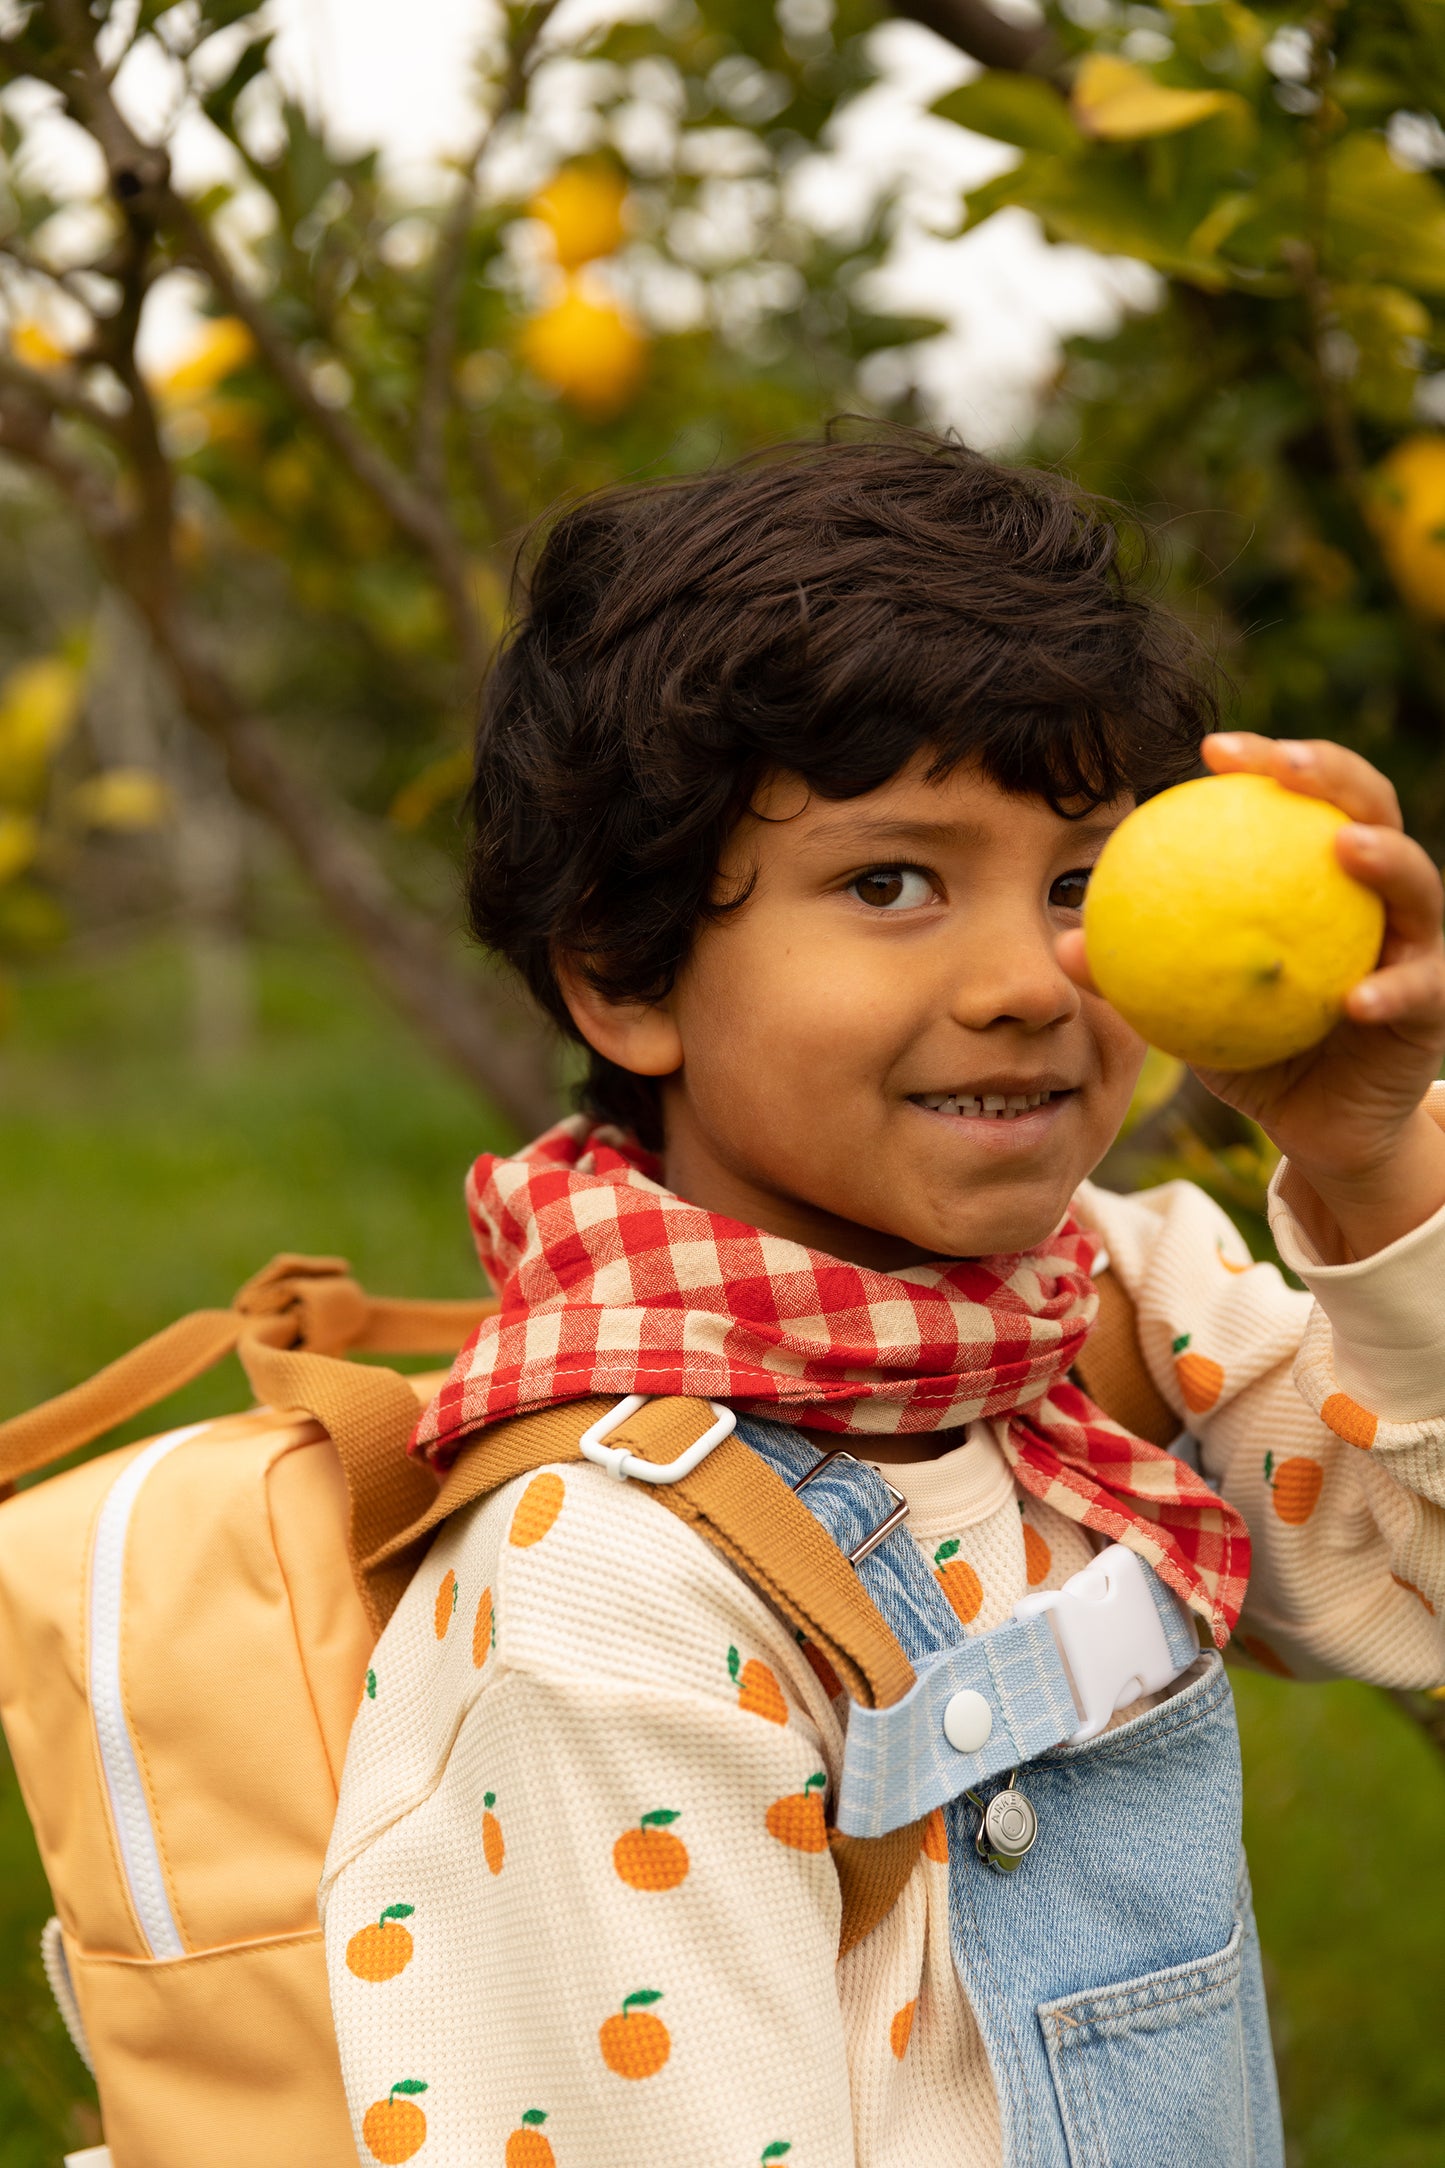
[
  {"x": 1320, "y": 1415},
  {"x": 602, "y": 1798}
]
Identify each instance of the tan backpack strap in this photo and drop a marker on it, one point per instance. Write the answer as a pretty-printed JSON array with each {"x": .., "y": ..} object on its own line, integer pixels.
[
  {"x": 295, "y": 1303},
  {"x": 747, "y": 1512},
  {"x": 1114, "y": 1372}
]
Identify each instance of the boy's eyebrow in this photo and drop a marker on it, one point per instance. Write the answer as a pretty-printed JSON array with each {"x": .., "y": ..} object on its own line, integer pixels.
[{"x": 839, "y": 831}]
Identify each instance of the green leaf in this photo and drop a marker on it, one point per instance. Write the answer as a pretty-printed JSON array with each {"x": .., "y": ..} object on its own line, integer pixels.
[
  {"x": 641, "y": 1999},
  {"x": 1178, "y": 1346},
  {"x": 489, "y": 1799},
  {"x": 777, "y": 2149},
  {"x": 869, "y": 334},
  {"x": 1019, "y": 109},
  {"x": 409, "y": 2085},
  {"x": 371, "y": 1686},
  {"x": 535, "y": 2116},
  {"x": 817, "y": 1779},
  {"x": 397, "y": 1912},
  {"x": 734, "y": 1664},
  {"x": 659, "y": 1818},
  {"x": 946, "y": 1551}
]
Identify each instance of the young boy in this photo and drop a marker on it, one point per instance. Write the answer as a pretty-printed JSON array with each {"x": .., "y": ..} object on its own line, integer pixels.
[{"x": 788, "y": 788}]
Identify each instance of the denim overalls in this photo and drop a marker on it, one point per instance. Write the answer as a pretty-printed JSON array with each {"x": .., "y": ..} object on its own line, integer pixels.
[{"x": 1115, "y": 1973}]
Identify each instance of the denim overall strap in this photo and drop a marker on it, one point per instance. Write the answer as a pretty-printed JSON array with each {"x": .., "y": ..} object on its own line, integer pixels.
[{"x": 899, "y": 1762}]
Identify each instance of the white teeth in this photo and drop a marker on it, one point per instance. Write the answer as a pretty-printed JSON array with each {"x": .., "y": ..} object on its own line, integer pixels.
[{"x": 992, "y": 1107}]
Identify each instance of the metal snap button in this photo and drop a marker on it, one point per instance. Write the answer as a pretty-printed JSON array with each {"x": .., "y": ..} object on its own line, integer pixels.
[
  {"x": 967, "y": 1721},
  {"x": 1009, "y": 1828}
]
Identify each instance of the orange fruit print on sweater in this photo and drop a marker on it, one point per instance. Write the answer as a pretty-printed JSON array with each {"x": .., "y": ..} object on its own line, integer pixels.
[
  {"x": 494, "y": 1851},
  {"x": 650, "y": 1857},
  {"x": 1348, "y": 1420},
  {"x": 1294, "y": 1485},
  {"x": 527, "y": 2148},
  {"x": 797, "y": 1820},
  {"x": 901, "y": 2028},
  {"x": 1201, "y": 1378},
  {"x": 537, "y": 1509},
  {"x": 484, "y": 1629},
  {"x": 446, "y": 1603},
  {"x": 956, "y": 1577},
  {"x": 391, "y": 2129},
  {"x": 382, "y": 1951},
  {"x": 634, "y": 2043},
  {"x": 1037, "y": 1556},
  {"x": 758, "y": 1690}
]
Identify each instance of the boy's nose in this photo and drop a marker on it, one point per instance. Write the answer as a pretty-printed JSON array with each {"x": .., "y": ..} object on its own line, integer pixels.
[{"x": 1008, "y": 976}]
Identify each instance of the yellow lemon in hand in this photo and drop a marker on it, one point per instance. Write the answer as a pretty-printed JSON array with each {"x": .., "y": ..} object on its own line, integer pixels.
[{"x": 1221, "y": 924}]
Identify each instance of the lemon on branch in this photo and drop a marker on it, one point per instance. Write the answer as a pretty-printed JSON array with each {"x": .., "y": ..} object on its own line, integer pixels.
[
  {"x": 588, "y": 348},
  {"x": 584, "y": 208},
  {"x": 1407, "y": 510},
  {"x": 1221, "y": 924}
]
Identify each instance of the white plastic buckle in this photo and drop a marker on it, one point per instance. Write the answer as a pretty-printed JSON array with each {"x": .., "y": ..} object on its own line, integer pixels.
[
  {"x": 1110, "y": 1636},
  {"x": 618, "y": 1461}
]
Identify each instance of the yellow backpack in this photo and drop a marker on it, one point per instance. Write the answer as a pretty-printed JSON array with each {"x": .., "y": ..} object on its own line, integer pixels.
[{"x": 185, "y": 1628}]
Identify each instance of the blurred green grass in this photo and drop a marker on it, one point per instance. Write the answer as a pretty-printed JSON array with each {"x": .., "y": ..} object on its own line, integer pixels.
[{"x": 135, "y": 1186}]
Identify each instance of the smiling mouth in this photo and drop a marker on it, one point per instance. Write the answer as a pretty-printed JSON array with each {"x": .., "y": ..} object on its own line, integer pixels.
[{"x": 990, "y": 1106}]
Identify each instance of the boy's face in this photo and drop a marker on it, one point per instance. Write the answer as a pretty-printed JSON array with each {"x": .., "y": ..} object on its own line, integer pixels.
[{"x": 896, "y": 954}]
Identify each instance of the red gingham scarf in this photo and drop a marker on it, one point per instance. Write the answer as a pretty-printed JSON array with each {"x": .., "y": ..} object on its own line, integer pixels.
[{"x": 610, "y": 1284}]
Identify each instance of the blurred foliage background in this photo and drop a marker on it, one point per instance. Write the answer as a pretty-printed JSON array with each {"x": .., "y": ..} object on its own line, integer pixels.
[{"x": 246, "y": 598}]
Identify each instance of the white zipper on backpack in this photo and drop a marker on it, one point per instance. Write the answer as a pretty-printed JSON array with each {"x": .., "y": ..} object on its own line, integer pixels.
[{"x": 129, "y": 1806}]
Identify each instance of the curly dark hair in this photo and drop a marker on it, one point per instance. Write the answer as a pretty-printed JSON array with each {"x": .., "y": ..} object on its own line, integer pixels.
[{"x": 828, "y": 608}]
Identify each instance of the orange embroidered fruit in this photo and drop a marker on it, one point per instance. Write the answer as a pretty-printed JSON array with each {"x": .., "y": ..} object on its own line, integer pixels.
[
  {"x": 392, "y": 2129},
  {"x": 797, "y": 1820},
  {"x": 493, "y": 1849},
  {"x": 650, "y": 1857},
  {"x": 527, "y": 2148},
  {"x": 484, "y": 1630},
  {"x": 935, "y": 1838},
  {"x": 634, "y": 2043},
  {"x": 822, "y": 1670},
  {"x": 1260, "y": 1652},
  {"x": 537, "y": 1509},
  {"x": 1411, "y": 1590},
  {"x": 1201, "y": 1379},
  {"x": 960, "y": 1584},
  {"x": 901, "y": 2027},
  {"x": 1037, "y": 1556},
  {"x": 381, "y": 1952},
  {"x": 1348, "y": 1420},
  {"x": 776, "y": 2151},
  {"x": 446, "y": 1603},
  {"x": 1294, "y": 1485},
  {"x": 758, "y": 1690}
]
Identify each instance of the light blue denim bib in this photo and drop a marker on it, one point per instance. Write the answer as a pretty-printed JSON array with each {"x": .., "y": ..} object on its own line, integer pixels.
[{"x": 1115, "y": 1973}]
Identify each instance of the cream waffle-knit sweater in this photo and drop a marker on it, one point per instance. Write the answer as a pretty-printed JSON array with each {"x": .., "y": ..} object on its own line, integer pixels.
[{"x": 588, "y": 1762}]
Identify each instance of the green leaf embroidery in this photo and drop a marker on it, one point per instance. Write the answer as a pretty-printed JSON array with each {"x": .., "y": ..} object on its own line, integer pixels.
[
  {"x": 1180, "y": 1344},
  {"x": 397, "y": 1912},
  {"x": 817, "y": 1779},
  {"x": 641, "y": 1999},
  {"x": 734, "y": 1665},
  {"x": 535, "y": 2116},
  {"x": 777, "y": 2149},
  {"x": 489, "y": 1799},
  {"x": 659, "y": 1818},
  {"x": 946, "y": 1551},
  {"x": 371, "y": 1686},
  {"x": 408, "y": 2085}
]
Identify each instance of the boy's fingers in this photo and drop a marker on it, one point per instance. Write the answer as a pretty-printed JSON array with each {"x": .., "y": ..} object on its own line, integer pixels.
[
  {"x": 1069, "y": 949},
  {"x": 1408, "y": 995},
  {"x": 1401, "y": 874},
  {"x": 1315, "y": 767}
]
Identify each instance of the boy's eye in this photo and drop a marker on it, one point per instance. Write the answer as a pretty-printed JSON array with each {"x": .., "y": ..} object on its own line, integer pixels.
[
  {"x": 1067, "y": 893},
  {"x": 893, "y": 888}
]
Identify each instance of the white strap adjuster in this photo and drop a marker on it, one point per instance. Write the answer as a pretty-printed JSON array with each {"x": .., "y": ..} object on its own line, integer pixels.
[
  {"x": 1110, "y": 1636},
  {"x": 618, "y": 1461}
]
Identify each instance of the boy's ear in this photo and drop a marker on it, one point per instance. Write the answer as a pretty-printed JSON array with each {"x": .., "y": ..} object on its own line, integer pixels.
[{"x": 636, "y": 1035}]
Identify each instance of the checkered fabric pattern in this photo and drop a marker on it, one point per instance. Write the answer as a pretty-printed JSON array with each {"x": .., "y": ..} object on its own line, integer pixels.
[{"x": 611, "y": 1284}]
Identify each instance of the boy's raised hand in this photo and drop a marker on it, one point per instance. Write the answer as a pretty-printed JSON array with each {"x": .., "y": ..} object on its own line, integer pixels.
[{"x": 1348, "y": 1113}]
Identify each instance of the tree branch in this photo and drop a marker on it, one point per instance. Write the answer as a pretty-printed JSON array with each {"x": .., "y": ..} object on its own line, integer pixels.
[
  {"x": 974, "y": 28},
  {"x": 482, "y": 1030}
]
